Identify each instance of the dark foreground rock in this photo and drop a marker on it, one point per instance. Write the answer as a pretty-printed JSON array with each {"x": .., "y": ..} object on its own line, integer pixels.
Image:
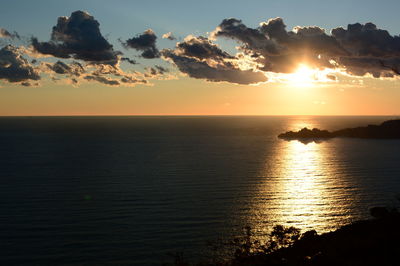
[
  {"x": 369, "y": 242},
  {"x": 387, "y": 130},
  {"x": 362, "y": 243}
]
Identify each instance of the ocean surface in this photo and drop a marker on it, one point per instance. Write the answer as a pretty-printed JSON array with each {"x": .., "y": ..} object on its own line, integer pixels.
[{"x": 130, "y": 190}]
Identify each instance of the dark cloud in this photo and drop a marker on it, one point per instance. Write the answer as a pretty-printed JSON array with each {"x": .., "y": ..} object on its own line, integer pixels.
[
  {"x": 199, "y": 58},
  {"x": 131, "y": 61},
  {"x": 29, "y": 84},
  {"x": 132, "y": 80},
  {"x": 218, "y": 72},
  {"x": 14, "y": 67},
  {"x": 273, "y": 40},
  {"x": 73, "y": 69},
  {"x": 79, "y": 37},
  {"x": 26, "y": 84},
  {"x": 201, "y": 48},
  {"x": 102, "y": 79},
  {"x": 169, "y": 36},
  {"x": 372, "y": 50},
  {"x": 377, "y": 67},
  {"x": 367, "y": 40},
  {"x": 359, "y": 49},
  {"x": 146, "y": 43},
  {"x": 6, "y": 34},
  {"x": 161, "y": 70},
  {"x": 276, "y": 29},
  {"x": 278, "y": 50},
  {"x": 156, "y": 71},
  {"x": 252, "y": 39}
]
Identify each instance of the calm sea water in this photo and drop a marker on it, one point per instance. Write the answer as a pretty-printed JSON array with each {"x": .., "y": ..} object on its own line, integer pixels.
[{"x": 128, "y": 190}]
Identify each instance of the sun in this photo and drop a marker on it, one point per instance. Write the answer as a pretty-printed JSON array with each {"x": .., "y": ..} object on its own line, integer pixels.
[{"x": 304, "y": 76}]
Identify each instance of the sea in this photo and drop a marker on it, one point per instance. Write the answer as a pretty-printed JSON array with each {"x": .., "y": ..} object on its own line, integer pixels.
[{"x": 137, "y": 190}]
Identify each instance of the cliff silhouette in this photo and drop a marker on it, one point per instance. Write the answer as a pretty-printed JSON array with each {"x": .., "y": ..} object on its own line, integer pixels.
[
  {"x": 366, "y": 242},
  {"x": 362, "y": 243}
]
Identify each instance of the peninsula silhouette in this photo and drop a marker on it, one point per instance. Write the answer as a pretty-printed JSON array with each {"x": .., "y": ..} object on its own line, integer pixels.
[{"x": 387, "y": 130}]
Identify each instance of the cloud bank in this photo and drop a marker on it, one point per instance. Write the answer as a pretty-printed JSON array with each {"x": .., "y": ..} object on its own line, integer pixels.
[
  {"x": 358, "y": 50},
  {"x": 218, "y": 72},
  {"x": 199, "y": 58},
  {"x": 84, "y": 54}
]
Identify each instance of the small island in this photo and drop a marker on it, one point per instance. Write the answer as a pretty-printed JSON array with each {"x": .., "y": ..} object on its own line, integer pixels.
[{"x": 387, "y": 130}]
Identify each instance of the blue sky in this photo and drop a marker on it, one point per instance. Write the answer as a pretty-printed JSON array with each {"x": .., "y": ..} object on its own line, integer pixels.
[{"x": 122, "y": 18}]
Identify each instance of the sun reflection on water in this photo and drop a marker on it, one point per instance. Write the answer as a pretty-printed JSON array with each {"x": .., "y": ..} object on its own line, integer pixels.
[
  {"x": 302, "y": 182},
  {"x": 302, "y": 188}
]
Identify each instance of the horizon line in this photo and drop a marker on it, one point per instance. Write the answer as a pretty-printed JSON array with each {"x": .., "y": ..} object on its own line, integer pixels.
[{"x": 191, "y": 115}]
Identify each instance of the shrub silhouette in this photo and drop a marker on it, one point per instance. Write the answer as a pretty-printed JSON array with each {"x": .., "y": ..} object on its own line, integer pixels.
[
  {"x": 366, "y": 242},
  {"x": 279, "y": 237}
]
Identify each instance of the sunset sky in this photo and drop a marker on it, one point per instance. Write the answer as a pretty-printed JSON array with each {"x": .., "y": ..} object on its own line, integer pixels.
[{"x": 199, "y": 57}]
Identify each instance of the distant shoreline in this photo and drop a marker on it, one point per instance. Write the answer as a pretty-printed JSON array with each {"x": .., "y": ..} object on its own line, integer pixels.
[{"x": 389, "y": 129}]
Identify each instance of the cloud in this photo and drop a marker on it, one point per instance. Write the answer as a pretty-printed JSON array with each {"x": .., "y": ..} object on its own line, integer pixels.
[
  {"x": 169, "y": 36},
  {"x": 199, "y": 58},
  {"x": 133, "y": 80},
  {"x": 201, "y": 48},
  {"x": 367, "y": 40},
  {"x": 6, "y": 34},
  {"x": 358, "y": 50},
  {"x": 14, "y": 67},
  {"x": 74, "y": 72},
  {"x": 73, "y": 69},
  {"x": 146, "y": 43},
  {"x": 278, "y": 50},
  {"x": 130, "y": 61},
  {"x": 372, "y": 50},
  {"x": 155, "y": 71},
  {"x": 161, "y": 70},
  {"x": 252, "y": 39},
  {"x": 79, "y": 37},
  {"x": 266, "y": 50},
  {"x": 26, "y": 84},
  {"x": 114, "y": 76},
  {"x": 104, "y": 80},
  {"x": 226, "y": 71}
]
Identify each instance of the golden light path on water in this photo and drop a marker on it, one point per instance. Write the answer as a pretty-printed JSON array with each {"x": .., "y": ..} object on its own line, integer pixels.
[
  {"x": 302, "y": 184},
  {"x": 303, "y": 188}
]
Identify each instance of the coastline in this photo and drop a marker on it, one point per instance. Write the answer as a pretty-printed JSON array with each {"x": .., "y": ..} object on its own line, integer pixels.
[{"x": 365, "y": 242}]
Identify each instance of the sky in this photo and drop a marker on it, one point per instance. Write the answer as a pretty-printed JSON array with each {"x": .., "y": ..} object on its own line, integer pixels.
[{"x": 199, "y": 58}]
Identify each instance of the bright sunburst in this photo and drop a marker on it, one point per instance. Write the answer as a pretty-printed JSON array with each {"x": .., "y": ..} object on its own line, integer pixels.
[{"x": 304, "y": 76}]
